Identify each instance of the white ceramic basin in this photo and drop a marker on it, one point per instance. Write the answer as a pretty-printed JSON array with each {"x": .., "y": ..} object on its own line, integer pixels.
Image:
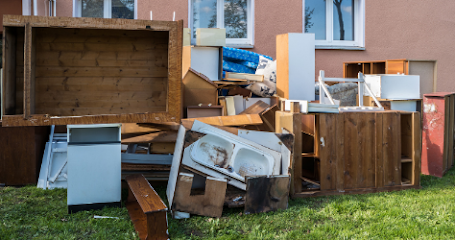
[{"x": 232, "y": 158}]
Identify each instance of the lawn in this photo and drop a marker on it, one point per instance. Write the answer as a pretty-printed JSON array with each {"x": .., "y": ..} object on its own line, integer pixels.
[{"x": 428, "y": 213}]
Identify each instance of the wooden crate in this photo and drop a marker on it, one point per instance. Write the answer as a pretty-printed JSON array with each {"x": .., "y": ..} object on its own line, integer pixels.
[
  {"x": 359, "y": 152},
  {"x": 21, "y": 154},
  {"x": 62, "y": 70}
]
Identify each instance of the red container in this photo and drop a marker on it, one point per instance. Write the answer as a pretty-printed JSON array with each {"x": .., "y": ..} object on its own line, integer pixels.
[{"x": 437, "y": 133}]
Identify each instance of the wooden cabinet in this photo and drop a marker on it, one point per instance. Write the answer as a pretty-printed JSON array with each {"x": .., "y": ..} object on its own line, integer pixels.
[
  {"x": 426, "y": 69},
  {"x": 21, "y": 153},
  {"x": 357, "y": 152}
]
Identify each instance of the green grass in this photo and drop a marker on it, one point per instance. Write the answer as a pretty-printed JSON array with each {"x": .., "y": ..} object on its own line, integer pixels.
[{"x": 428, "y": 213}]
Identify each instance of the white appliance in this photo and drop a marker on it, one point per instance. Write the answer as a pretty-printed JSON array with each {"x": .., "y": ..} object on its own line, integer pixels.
[{"x": 94, "y": 166}]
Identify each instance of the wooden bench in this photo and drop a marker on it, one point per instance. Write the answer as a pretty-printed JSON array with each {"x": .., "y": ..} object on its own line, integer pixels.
[{"x": 146, "y": 209}]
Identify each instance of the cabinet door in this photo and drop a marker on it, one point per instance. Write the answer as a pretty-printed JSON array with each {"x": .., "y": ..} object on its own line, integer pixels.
[
  {"x": 396, "y": 66},
  {"x": 94, "y": 173}
]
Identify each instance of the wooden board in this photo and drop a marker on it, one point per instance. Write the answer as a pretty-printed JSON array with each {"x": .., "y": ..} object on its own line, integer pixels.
[
  {"x": 204, "y": 111},
  {"x": 257, "y": 108},
  {"x": 390, "y": 149},
  {"x": 210, "y": 203},
  {"x": 291, "y": 122},
  {"x": 162, "y": 148},
  {"x": 266, "y": 194},
  {"x": 114, "y": 67},
  {"x": 327, "y": 129},
  {"x": 163, "y": 136},
  {"x": 235, "y": 120}
]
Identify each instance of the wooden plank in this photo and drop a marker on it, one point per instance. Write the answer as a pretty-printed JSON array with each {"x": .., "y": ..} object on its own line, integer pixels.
[
  {"x": 268, "y": 117},
  {"x": 417, "y": 148},
  {"x": 8, "y": 100},
  {"x": 133, "y": 128},
  {"x": 291, "y": 122},
  {"x": 164, "y": 136},
  {"x": 96, "y": 23},
  {"x": 339, "y": 148},
  {"x": 266, "y": 194},
  {"x": 235, "y": 120},
  {"x": 391, "y": 148},
  {"x": 327, "y": 154},
  {"x": 351, "y": 150},
  {"x": 379, "y": 161},
  {"x": 366, "y": 146},
  {"x": 145, "y": 195},
  {"x": 257, "y": 108},
  {"x": 29, "y": 72},
  {"x": 282, "y": 66},
  {"x": 210, "y": 203}
]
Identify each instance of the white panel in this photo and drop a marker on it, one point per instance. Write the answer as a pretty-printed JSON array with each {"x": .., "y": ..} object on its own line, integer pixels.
[
  {"x": 394, "y": 87},
  {"x": 42, "y": 179},
  {"x": 173, "y": 175},
  {"x": 211, "y": 37},
  {"x": 410, "y": 106},
  {"x": 94, "y": 174},
  {"x": 301, "y": 66},
  {"x": 303, "y": 105},
  {"x": 206, "y": 60},
  {"x": 239, "y": 104}
]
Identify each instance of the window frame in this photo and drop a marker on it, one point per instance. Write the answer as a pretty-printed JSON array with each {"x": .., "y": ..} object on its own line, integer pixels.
[
  {"x": 359, "y": 28},
  {"x": 107, "y": 8},
  {"x": 230, "y": 42}
]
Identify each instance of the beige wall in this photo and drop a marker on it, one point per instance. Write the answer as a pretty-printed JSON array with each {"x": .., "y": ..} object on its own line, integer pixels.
[{"x": 394, "y": 29}]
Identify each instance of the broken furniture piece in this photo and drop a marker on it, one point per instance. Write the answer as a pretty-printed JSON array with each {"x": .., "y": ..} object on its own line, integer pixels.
[
  {"x": 393, "y": 86},
  {"x": 204, "y": 60},
  {"x": 438, "y": 133},
  {"x": 198, "y": 89},
  {"x": 146, "y": 209},
  {"x": 323, "y": 91},
  {"x": 91, "y": 82},
  {"x": 209, "y": 202},
  {"x": 266, "y": 194},
  {"x": 204, "y": 111},
  {"x": 94, "y": 166}
]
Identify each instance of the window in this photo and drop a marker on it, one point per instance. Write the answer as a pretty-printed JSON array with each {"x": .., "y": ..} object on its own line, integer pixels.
[
  {"x": 105, "y": 8},
  {"x": 234, "y": 15},
  {"x": 335, "y": 23}
]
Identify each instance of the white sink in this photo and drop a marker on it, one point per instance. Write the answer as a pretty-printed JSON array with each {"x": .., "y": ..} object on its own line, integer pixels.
[{"x": 233, "y": 158}]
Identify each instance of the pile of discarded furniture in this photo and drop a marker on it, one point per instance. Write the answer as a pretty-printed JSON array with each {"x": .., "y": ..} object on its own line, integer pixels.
[{"x": 88, "y": 103}]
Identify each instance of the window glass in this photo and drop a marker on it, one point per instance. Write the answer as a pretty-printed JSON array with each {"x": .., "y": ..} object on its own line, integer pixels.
[
  {"x": 315, "y": 18},
  {"x": 123, "y": 9},
  {"x": 236, "y": 18},
  {"x": 204, "y": 14},
  {"x": 92, "y": 8},
  {"x": 343, "y": 20}
]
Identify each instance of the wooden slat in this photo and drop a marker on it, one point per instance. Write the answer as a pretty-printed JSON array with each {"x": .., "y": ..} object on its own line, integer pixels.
[
  {"x": 164, "y": 136},
  {"x": 236, "y": 120},
  {"x": 29, "y": 72},
  {"x": 145, "y": 195},
  {"x": 366, "y": 143},
  {"x": 257, "y": 108},
  {"x": 379, "y": 161},
  {"x": 94, "y": 23},
  {"x": 391, "y": 149},
  {"x": 351, "y": 150},
  {"x": 417, "y": 148},
  {"x": 328, "y": 155},
  {"x": 291, "y": 122},
  {"x": 354, "y": 191},
  {"x": 340, "y": 156}
]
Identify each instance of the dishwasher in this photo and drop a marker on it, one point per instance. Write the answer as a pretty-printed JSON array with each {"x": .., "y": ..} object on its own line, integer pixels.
[{"x": 94, "y": 166}]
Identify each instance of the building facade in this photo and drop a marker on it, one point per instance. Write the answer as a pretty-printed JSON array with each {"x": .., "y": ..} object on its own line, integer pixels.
[{"x": 346, "y": 30}]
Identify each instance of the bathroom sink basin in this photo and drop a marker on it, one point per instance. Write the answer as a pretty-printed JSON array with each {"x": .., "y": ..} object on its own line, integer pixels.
[{"x": 232, "y": 158}]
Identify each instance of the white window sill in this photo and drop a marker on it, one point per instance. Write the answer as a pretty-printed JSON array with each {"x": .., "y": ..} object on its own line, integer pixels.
[
  {"x": 341, "y": 48},
  {"x": 240, "y": 45}
]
